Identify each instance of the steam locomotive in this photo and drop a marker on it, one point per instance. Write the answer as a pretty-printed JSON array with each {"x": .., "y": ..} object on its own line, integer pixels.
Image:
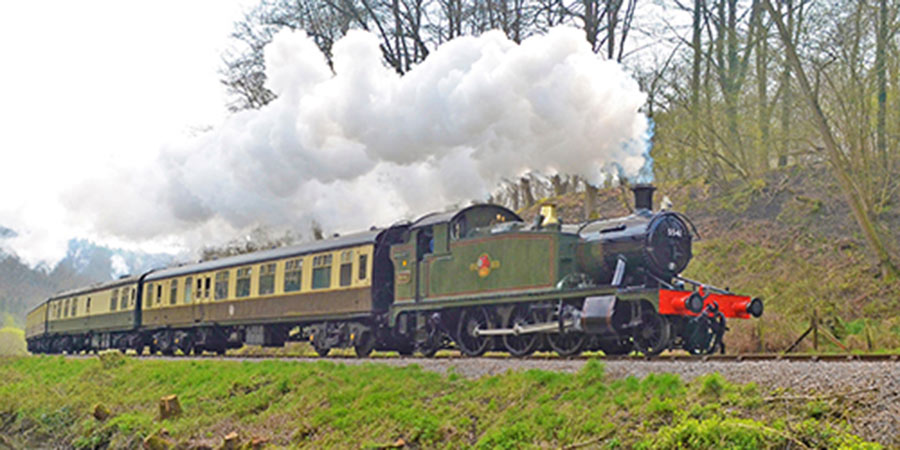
[{"x": 477, "y": 279}]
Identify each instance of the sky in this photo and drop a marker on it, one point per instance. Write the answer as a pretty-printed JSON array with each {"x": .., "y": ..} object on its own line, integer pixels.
[
  {"x": 100, "y": 103},
  {"x": 89, "y": 88}
]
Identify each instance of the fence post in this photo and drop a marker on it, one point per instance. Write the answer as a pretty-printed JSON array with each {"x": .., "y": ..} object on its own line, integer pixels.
[{"x": 815, "y": 328}]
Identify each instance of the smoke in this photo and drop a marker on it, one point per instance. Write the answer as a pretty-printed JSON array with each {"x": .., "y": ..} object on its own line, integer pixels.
[{"x": 363, "y": 145}]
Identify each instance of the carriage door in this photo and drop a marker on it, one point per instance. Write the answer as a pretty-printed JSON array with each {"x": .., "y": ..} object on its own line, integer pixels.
[{"x": 192, "y": 297}]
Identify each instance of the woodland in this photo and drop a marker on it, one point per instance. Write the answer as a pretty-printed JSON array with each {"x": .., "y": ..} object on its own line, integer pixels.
[{"x": 777, "y": 127}]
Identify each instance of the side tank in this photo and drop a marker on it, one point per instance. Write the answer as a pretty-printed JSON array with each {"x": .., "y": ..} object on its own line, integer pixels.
[{"x": 645, "y": 242}]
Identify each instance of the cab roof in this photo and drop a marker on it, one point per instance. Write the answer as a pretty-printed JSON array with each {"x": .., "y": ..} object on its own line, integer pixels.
[{"x": 450, "y": 216}]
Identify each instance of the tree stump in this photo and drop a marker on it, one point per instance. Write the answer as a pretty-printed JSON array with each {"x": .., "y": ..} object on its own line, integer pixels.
[
  {"x": 169, "y": 407},
  {"x": 101, "y": 412},
  {"x": 232, "y": 441},
  {"x": 158, "y": 441}
]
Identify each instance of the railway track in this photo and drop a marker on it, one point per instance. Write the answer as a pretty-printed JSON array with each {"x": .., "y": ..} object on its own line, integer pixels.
[{"x": 825, "y": 358}]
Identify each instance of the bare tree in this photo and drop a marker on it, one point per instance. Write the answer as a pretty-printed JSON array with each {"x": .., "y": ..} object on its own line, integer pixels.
[{"x": 838, "y": 160}]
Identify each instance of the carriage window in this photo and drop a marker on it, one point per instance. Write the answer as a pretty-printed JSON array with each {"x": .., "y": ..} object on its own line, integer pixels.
[
  {"x": 206, "y": 288},
  {"x": 124, "y": 300},
  {"x": 293, "y": 271},
  {"x": 321, "y": 277},
  {"x": 243, "y": 282},
  {"x": 114, "y": 300},
  {"x": 187, "y": 289},
  {"x": 222, "y": 284},
  {"x": 173, "y": 292},
  {"x": 148, "y": 296},
  {"x": 266, "y": 279},
  {"x": 363, "y": 270},
  {"x": 74, "y": 307},
  {"x": 87, "y": 306},
  {"x": 159, "y": 293},
  {"x": 346, "y": 267}
]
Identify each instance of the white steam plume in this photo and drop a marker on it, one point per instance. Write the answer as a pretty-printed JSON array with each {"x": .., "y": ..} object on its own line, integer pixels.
[{"x": 364, "y": 145}]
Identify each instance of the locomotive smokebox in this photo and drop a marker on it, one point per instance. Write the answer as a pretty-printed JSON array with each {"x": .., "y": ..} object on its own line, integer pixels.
[{"x": 643, "y": 196}]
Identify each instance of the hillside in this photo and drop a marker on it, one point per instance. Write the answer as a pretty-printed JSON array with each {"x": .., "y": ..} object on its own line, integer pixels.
[
  {"x": 787, "y": 237},
  {"x": 22, "y": 286}
]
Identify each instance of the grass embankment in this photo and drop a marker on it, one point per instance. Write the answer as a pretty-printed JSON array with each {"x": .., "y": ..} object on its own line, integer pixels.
[
  {"x": 12, "y": 342},
  {"x": 47, "y": 401}
]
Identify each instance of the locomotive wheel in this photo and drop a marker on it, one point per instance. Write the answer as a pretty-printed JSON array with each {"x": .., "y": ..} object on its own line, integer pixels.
[
  {"x": 432, "y": 343},
  {"x": 704, "y": 334},
  {"x": 567, "y": 344},
  {"x": 470, "y": 320},
  {"x": 364, "y": 345},
  {"x": 652, "y": 336},
  {"x": 525, "y": 344}
]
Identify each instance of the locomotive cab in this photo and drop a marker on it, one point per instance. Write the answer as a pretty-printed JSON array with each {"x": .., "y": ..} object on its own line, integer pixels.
[{"x": 432, "y": 244}]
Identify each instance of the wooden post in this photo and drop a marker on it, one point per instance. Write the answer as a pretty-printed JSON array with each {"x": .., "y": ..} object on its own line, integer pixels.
[
  {"x": 815, "y": 328},
  {"x": 169, "y": 407},
  {"x": 231, "y": 442},
  {"x": 760, "y": 345},
  {"x": 101, "y": 412}
]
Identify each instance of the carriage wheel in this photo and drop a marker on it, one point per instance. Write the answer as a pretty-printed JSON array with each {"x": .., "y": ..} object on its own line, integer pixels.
[
  {"x": 653, "y": 335},
  {"x": 364, "y": 345},
  {"x": 472, "y": 319},
  {"x": 321, "y": 350},
  {"x": 524, "y": 344}
]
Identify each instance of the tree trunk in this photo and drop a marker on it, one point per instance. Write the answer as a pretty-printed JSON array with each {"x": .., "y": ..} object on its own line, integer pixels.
[
  {"x": 880, "y": 44},
  {"x": 590, "y": 195},
  {"x": 848, "y": 186},
  {"x": 527, "y": 195},
  {"x": 762, "y": 82}
]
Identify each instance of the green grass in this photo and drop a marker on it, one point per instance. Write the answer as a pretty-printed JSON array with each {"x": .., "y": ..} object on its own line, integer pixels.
[
  {"x": 12, "y": 341},
  {"x": 47, "y": 401}
]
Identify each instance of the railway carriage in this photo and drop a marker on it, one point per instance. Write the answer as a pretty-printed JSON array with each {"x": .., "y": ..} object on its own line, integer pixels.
[
  {"x": 100, "y": 316},
  {"x": 475, "y": 279}
]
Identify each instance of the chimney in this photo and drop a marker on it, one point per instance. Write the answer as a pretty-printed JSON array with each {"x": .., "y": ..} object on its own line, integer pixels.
[{"x": 643, "y": 196}]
